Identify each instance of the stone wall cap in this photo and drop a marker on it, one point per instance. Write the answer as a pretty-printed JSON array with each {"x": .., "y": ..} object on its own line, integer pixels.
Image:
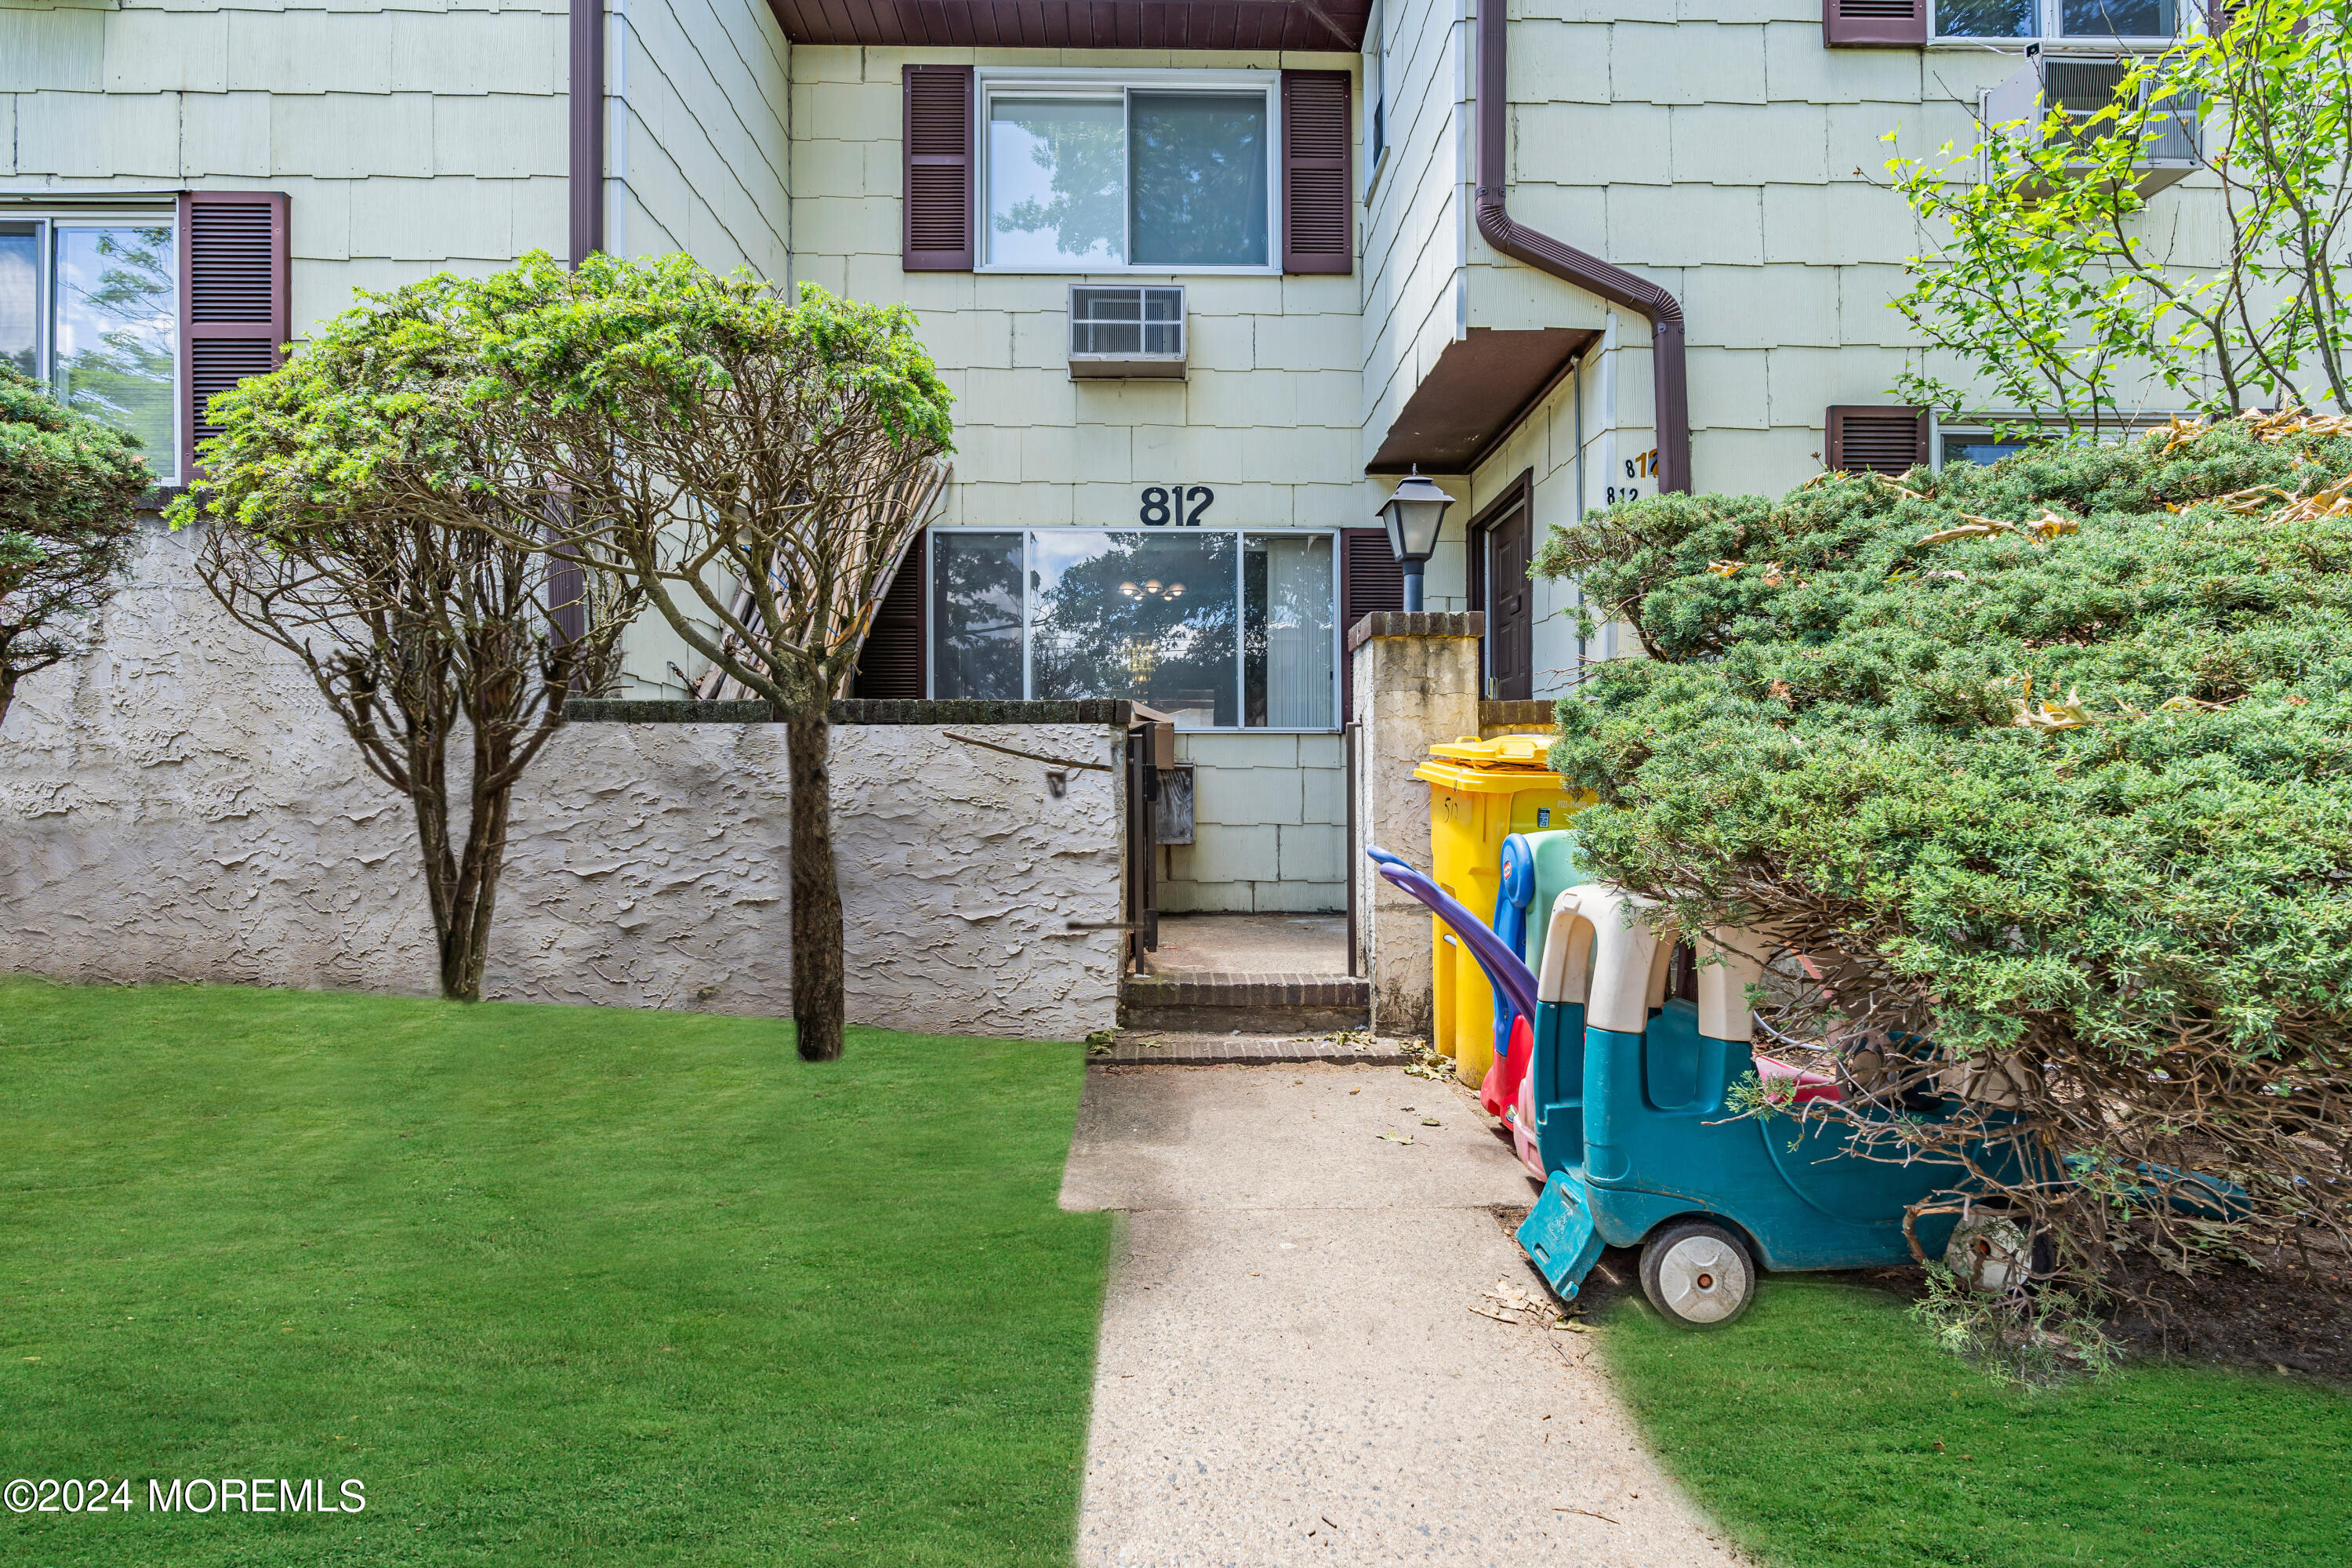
[
  {"x": 1500, "y": 713},
  {"x": 1416, "y": 624},
  {"x": 1112, "y": 713}
]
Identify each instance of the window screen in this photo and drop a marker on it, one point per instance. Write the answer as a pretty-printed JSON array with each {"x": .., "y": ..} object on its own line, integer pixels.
[
  {"x": 1197, "y": 178},
  {"x": 2116, "y": 18}
]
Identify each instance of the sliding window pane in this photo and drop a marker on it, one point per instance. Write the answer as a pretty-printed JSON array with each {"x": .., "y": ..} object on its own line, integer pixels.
[
  {"x": 1287, "y": 633},
  {"x": 1143, "y": 616},
  {"x": 976, "y": 616},
  {"x": 1987, "y": 18},
  {"x": 1056, "y": 182},
  {"x": 20, "y": 297},
  {"x": 2117, "y": 18},
  {"x": 1199, "y": 179},
  {"x": 117, "y": 332}
]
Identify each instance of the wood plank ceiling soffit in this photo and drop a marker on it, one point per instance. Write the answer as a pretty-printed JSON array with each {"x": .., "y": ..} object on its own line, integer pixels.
[
  {"x": 1477, "y": 392},
  {"x": 1256, "y": 26}
]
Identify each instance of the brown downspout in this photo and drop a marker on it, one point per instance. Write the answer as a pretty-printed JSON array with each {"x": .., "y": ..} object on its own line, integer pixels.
[
  {"x": 587, "y": 110},
  {"x": 1589, "y": 273}
]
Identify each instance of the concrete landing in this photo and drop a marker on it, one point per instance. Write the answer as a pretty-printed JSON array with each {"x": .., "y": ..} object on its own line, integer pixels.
[
  {"x": 1262, "y": 974},
  {"x": 1249, "y": 944},
  {"x": 1293, "y": 1366}
]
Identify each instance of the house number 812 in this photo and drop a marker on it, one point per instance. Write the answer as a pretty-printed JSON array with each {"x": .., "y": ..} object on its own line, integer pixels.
[{"x": 1164, "y": 504}]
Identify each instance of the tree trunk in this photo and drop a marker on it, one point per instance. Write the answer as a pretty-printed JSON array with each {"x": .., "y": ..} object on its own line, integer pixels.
[
  {"x": 466, "y": 945},
  {"x": 461, "y": 882},
  {"x": 429, "y": 798},
  {"x": 817, "y": 1005}
]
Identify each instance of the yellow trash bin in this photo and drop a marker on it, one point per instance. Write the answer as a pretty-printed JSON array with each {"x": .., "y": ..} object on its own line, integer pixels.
[{"x": 1480, "y": 793}]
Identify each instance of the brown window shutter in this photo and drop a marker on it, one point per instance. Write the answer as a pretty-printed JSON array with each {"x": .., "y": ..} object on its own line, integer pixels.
[
  {"x": 1371, "y": 582},
  {"x": 234, "y": 315},
  {"x": 1319, "y": 220},
  {"x": 939, "y": 169},
  {"x": 890, "y": 665},
  {"x": 1877, "y": 440},
  {"x": 1875, "y": 24}
]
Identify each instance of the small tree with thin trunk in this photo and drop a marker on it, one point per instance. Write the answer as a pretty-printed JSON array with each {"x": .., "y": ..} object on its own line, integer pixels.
[
  {"x": 348, "y": 497},
  {"x": 2057, "y": 289},
  {"x": 67, "y": 485},
  {"x": 757, "y": 467}
]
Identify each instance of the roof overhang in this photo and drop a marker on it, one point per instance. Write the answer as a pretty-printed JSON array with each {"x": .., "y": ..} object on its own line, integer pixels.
[
  {"x": 1256, "y": 26},
  {"x": 1477, "y": 392}
]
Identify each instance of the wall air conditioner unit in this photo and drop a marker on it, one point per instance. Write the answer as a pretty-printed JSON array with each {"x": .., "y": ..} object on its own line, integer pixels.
[
  {"x": 2081, "y": 86},
  {"x": 1122, "y": 331}
]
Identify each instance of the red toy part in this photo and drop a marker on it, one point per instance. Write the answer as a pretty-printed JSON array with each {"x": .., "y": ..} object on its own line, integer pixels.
[
  {"x": 1810, "y": 1085},
  {"x": 1523, "y": 1127},
  {"x": 1500, "y": 1089}
]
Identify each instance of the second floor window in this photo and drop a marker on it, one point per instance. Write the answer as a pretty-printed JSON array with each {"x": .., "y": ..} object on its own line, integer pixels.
[
  {"x": 1088, "y": 176},
  {"x": 2072, "y": 21}
]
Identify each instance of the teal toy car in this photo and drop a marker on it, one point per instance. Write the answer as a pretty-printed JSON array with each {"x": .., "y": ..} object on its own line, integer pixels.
[{"x": 1635, "y": 1054}]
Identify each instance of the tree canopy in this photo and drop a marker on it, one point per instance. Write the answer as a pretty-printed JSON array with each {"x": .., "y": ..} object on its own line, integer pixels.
[
  {"x": 67, "y": 485},
  {"x": 755, "y": 466},
  {"x": 375, "y": 521},
  {"x": 2055, "y": 287},
  {"x": 2048, "y": 763}
]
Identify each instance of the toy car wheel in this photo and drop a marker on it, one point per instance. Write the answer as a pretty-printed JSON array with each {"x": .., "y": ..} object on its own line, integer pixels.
[{"x": 1697, "y": 1274}]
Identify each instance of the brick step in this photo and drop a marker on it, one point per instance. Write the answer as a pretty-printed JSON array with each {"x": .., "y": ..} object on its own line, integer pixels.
[
  {"x": 1269, "y": 1003},
  {"x": 1146, "y": 1049}
]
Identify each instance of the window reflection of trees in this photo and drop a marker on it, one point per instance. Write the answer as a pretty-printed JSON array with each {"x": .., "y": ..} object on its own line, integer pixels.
[
  {"x": 976, "y": 599},
  {"x": 117, "y": 344},
  {"x": 1081, "y": 148},
  {"x": 1150, "y": 618},
  {"x": 1199, "y": 178}
]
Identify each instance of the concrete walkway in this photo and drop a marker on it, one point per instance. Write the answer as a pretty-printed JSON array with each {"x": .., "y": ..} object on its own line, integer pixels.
[{"x": 1293, "y": 1368}]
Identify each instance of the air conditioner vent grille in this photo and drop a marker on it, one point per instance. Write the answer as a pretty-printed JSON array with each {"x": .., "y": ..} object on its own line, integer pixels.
[{"x": 1127, "y": 330}]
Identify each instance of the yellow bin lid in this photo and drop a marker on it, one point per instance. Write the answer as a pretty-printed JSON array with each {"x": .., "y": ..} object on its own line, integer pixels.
[
  {"x": 1506, "y": 763},
  {"x": 1502, "y": 752}
]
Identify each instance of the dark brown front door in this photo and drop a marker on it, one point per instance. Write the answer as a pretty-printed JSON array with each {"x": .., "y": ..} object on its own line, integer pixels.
[{"x": 1501, "y": 540}]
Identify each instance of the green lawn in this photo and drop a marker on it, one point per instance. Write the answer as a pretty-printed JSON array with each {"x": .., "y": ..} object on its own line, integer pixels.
[
  {"x": 1809, "y": 1429},
  {"x": 558, "y": 1285}
]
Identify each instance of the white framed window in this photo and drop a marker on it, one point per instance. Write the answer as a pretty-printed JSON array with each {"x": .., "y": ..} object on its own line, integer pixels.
[
  {"x": 1376, "y": 95},
  {"x": 1227, "y": 629},
  {"x": 1986, "y": 436},
  {"x": 1160, "y": 172},
  {"x": 89, "y": 307},
  {"x": 2085, "y": 22},
  {"x": 1978, "y": 446}
]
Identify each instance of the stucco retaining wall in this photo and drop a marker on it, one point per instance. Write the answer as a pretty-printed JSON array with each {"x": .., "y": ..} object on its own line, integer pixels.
[{"x": 180, "y": 806}]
